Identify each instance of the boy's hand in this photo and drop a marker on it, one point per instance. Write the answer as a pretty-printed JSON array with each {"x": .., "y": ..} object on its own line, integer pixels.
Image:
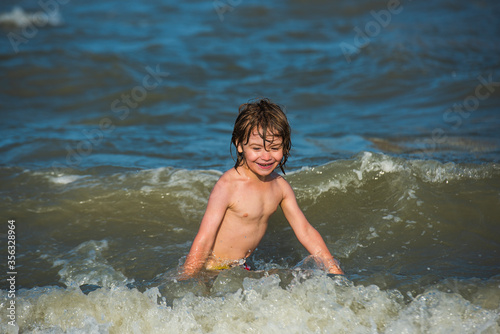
[
  {"x": 336, "y": 270},
  {"x": 183, "y": 277}
]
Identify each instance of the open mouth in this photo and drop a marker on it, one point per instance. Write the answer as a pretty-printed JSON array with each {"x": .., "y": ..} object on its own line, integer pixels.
[{"x": 265, "y": 166}]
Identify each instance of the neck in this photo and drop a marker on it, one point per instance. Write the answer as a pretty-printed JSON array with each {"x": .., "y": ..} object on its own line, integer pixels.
[{"x": 247, "y": 172}]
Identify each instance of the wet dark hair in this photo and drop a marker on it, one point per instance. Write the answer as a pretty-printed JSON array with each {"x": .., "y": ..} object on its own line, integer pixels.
[{"x": 266, "y": 117}]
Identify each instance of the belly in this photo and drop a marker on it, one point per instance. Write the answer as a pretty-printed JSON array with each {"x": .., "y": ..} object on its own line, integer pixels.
[{"x": 237, "y": 243}]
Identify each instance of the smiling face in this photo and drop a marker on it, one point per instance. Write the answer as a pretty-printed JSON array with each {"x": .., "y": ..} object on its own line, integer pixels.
[
  {"x": 261, "y": 157},
  {"x": 261, "y": 122}
]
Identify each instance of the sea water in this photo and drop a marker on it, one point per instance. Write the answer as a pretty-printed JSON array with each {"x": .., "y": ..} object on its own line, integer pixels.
[
  {"x": 99, "y": 251},
  {"x": 116, "y": 120}
]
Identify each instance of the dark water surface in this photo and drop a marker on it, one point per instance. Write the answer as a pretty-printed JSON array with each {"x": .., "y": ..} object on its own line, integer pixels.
[{"x": 116, "y": 119}]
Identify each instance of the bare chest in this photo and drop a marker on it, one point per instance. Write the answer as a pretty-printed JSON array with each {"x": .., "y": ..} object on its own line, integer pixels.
[{"x": 256, "y": 203}]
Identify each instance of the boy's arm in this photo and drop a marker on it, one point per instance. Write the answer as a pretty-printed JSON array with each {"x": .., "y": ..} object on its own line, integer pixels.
[
  {"x": 205, "y": 238},
  {"x": 308, "y": 236}
]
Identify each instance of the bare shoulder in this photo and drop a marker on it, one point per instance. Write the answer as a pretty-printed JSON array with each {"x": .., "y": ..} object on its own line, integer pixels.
[
  {"x": 228, "y": 181},
  {"x": 284, "y": 186},
  {"x": 229, "y": 177}
]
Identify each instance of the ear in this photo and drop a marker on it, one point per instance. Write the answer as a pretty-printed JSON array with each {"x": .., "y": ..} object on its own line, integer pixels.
[{"x": 239, "y": 148}]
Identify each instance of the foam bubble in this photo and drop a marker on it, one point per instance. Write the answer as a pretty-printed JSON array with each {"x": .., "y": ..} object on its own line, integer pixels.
[
  {"x": 312, "y": 303},
  {"x": 65, "y": 179},
  {"x": 85, "y": 264},
  {"x": 436, "y": 172},
  {"x": 439, "y": 312},
  {"x": 21, "y": 19}
]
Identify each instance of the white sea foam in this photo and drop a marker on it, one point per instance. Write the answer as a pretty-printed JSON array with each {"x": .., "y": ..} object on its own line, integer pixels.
[
  {"x": 21, "y": 19},
  {"x": 189, "y": 189},
  {"x": 343, "y": 175},
  {"x": 314, "y": 305},
  {"x": 379, "y": 162},
  {"x": 65, "y": 179},
  {"x": 436, "y": 172},
  {"x": 85, "y": 264}
]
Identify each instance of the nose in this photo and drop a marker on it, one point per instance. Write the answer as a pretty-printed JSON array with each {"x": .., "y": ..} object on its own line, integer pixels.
[{"x": 266, "y": 155}]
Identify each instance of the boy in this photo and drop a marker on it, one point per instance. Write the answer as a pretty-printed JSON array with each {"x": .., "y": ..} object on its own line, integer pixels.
[{"x": 245, "y": 196}]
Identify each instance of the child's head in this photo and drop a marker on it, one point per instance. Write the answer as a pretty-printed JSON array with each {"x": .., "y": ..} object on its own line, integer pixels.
[{"x": 269, "y": 120}]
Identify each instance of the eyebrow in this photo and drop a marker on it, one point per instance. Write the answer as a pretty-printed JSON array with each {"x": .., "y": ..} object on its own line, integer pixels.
[
  {"x": 265, "y": 143},
  {"x": 272, "y": 144}
]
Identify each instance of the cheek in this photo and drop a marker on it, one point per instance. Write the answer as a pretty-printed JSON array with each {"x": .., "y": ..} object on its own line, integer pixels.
[
  {"x": 278, "y": 155},
  {"x": 250, "y": 155}
]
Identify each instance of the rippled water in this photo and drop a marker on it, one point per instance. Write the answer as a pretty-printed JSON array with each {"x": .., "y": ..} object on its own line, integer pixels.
[{"x": 116, "y": 122}]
